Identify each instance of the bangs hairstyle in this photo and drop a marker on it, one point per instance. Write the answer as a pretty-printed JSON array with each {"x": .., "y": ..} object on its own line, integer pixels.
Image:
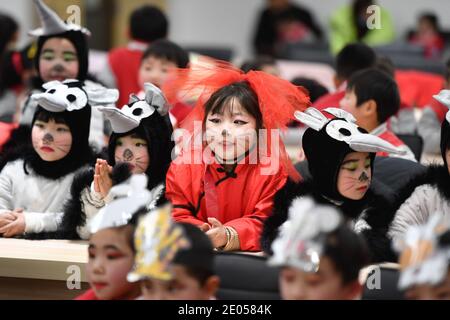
[
  {"x": 348, "y": 252},
  {"x": 45, "y": 116},
  {"x": 222, "y": 101},
  {"x": 167, "y": 50}
]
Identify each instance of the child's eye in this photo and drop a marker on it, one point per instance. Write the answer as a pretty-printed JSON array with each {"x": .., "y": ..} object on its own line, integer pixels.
[
  {"x": 350, "y": 167},
  {"x": 62, "y": 130},
  {"x": 39, "y": 125},
  {"x": 114, "y": 256},
  {"x": 214, "y": 120},
  {"x": 48, "y": 56},
  {"x": 367, "y": 163},
  {"x": 68, "y": 57},
  {"x": 240, "y": 122},
  {"x": 119, "y": 143},
  {"x": 140, "y": 144}
]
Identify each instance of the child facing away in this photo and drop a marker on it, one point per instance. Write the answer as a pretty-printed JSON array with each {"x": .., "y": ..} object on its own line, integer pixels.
[
  {"x": 372, "y": 97},
  {"x": 340, "y": 159},
  {"x": 62, "y": 53},
  {"x": 427, "y": 193},
  {"x": 174, "y": 261},
  {"x": 425, "y": 260},
  {"x": 36, "y": 185},
  {"x": 319, "y": 255},
  {"x": 146, "y": 25},
  {"x": 157, "y": 63},
  {"x": 225, "y": 183},
  {"x": 111, "y": 247},
  {"x": 140, "y": 143}
]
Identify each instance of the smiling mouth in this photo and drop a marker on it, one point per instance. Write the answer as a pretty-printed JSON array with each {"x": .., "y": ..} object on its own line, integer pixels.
[{"x": 47, "y": 149}]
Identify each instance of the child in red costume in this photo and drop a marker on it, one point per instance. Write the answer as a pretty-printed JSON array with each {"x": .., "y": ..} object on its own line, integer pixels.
[{"x": 230, "y": 169}]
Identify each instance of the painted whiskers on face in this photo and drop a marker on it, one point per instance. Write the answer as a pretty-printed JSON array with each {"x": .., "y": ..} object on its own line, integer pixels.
[
  {"x": 354, "y": 175},
  {"x": 52, "y": 141},
  {"x": 132, "y": 150}
]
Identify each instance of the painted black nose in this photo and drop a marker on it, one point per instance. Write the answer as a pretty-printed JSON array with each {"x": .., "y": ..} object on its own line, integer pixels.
[
  {"x": 363, "y": 177},
  {"x": 58, "y": 68},
  {"x": 48, "y": 138},
  {"x": 127, "y": 155}
]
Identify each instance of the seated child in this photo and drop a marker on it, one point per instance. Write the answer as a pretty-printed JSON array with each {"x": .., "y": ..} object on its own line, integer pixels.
[
  {"x": 340, "y": 158},
  {"x": 141, "y": 139},
  {"x": 111, "y": 249},
  {"x": 428, "y": 36},
  {"x": 62, "y": 53},
  {"x": 428, "y": 193},
  {"x": 157, "y": 63},
  {"x": 174, "y": 261},
  {"x": 425, "y": 260},
  {"x": 319, "y": 254},
  {"x": 35, "y": 186},
  {"x": 372, "y": 97},
  {"x": 225, "y": 178}
]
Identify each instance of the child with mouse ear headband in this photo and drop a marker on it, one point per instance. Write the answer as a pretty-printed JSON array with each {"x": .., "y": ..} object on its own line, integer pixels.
[
  {"x": 340, "y": 159},
  {"x": 233, "y": 159}
]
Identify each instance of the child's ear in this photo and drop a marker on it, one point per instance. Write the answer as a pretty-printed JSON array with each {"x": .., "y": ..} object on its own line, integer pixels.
[
  {"x": 211, "y": 286},
  {"x": 337, "y": 81},
  {"x": 369, "y": 108},
  {"x": 353, "y": 290}
]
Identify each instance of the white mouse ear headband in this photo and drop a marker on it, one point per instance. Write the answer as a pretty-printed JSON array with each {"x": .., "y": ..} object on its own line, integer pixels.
[
  {"x": 131, "y": 115},
  {"x": 444, "y": 98},
  {"x": 71, "y": 95},
  {"x": 52, "y": 23},
  {"x": 302, "y": 238},
  {"x": 345, "y": 129},
  {"x": 128, "y": 198}
]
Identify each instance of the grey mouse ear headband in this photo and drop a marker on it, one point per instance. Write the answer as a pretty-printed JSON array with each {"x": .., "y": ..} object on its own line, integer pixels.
[
  {"x": 444, "y": 98},
  {"x": 130, "y": 116},
  {"x": 345, "y": 129}
]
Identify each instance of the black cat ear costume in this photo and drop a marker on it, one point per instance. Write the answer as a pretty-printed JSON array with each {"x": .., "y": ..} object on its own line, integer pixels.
[
  {"x": 326, "y": 143},
  {"x": 148, "y": 119}
]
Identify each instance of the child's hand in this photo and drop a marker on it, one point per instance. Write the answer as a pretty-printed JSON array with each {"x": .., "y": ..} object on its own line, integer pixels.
[
  {"x": 205, "y": 227},
  {"x": 102, "y": 178},
  {"x": 217, "y": 234},
  {"x": 16, "y": 226}
]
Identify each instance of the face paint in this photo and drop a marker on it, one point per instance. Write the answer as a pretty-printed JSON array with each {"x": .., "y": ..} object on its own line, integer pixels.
[
  {"x": 48, "y": 139},
  {"x": 133, "y": 150},
  {"x": 231, "y": 134},
  {"x": 58, "y": 60},
  {"x": 52, "y": 141},
  {"x": 363, "y": 177},
  {"x": 128, "y": 155},
  {"x": 354, "y": 175}
]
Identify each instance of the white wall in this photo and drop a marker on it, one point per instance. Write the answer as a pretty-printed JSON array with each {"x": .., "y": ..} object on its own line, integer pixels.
[{"x": 231, "y": 22}]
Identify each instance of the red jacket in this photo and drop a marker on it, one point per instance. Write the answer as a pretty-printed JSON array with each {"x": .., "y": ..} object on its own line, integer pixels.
[
  {"x": 329, "y": 100},
  {"x": 125, "y": 63},
  {"x": 241, "y": 200}
]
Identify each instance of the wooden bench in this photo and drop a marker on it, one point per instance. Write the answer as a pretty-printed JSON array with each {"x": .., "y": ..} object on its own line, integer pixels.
[{"x": 39, "y": 270}]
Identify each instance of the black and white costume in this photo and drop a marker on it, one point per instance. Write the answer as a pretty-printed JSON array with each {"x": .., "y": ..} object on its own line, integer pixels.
[
  {"x": 148, "y": 119},
  {"x": 40, "y": 187},
  {"x": 326, "y": 143}
]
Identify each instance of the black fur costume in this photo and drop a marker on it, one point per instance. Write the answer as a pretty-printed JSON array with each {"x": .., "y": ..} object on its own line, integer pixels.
[
  {"x": 325, "y": 156},
  {"x": 157, "y": 133}
]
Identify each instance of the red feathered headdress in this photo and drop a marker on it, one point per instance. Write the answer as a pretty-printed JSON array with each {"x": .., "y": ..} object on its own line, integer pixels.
[{"x": 278, "y": 99}]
